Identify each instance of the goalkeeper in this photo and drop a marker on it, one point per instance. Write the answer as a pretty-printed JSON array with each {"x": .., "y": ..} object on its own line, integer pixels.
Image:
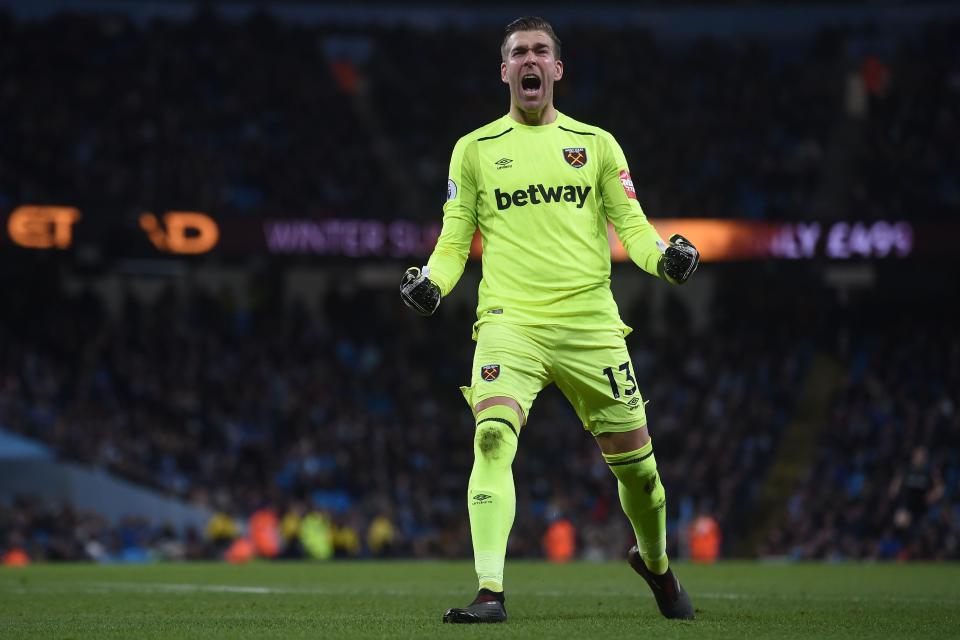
[{"x": 541, "y": 187}]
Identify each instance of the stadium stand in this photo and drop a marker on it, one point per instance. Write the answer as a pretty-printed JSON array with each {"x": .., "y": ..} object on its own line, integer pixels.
[
  {"x": 886, "y": 480},
  {"x": 196, "y": 114},
  {"x": 237, "y": 409},
  {"x": 318, "y": 416}
]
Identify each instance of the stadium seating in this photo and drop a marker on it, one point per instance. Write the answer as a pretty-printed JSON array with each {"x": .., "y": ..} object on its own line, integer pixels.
[
  {"x": 240, "y": 407},
  {"x": 195, "y": 115}
]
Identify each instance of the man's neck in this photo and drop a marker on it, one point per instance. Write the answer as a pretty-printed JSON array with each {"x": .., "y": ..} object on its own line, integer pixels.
[{"x": 545, "y": 116}]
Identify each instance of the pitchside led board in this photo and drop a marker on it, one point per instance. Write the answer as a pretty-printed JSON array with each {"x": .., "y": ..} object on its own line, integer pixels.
[{"x": 63, "y": 228}]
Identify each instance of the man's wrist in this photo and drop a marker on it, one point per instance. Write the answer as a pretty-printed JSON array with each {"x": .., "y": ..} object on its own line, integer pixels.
[
  {"x": 678, "y": 261},
  {"x": 419, "y": 292}
]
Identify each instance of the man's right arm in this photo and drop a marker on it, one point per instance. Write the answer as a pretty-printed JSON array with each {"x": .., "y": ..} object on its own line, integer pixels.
[
  {"x": 421, "y": 289},
  {"x": 459, "y": 218}
]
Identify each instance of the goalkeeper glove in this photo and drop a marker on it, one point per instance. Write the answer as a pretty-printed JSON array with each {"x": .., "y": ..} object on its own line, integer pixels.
[
  {"x": 419, "y": 292},
  {"x": 679, "y": 260}
]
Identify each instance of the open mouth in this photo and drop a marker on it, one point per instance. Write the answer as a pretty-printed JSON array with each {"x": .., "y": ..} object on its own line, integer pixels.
[{"x": 530, "y": 84}]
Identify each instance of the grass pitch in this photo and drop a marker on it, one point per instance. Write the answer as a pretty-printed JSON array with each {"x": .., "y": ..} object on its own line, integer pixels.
[{"x": 406, "y": 600}]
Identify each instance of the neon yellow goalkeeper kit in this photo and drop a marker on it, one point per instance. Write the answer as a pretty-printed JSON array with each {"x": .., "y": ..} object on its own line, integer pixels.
[{"x": 541, "y": 197}]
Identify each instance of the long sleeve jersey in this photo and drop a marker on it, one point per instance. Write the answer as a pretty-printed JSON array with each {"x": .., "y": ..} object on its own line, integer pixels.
[{"x": 541, "y": 197}]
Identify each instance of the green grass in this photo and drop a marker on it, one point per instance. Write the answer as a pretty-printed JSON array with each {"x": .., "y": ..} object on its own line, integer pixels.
[{"x": 406, "y": 599}]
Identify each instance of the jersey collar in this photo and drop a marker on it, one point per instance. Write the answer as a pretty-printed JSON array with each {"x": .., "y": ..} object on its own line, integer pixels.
[{"x": 536, "y": 128}]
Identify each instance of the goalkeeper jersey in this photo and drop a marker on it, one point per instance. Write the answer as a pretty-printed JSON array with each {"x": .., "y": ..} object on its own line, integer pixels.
[{"x": 541, "y": 197}]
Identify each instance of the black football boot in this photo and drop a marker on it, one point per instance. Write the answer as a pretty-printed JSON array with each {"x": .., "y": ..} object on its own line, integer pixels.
[
  {"x": 486, "y": 607},
  {"x": 672, "y": 600}
]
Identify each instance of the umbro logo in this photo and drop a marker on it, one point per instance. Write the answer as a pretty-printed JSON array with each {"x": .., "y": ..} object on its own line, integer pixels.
[
  {"x": 504, "y": 163},
  {"x": 482, "y": 498}
]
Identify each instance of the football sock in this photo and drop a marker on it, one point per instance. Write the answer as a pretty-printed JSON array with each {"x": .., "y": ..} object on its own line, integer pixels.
[
  {"x": 643, "y": 500},
  {"x": 491, "y": 499},
  {"x": 486, "y": 595}
]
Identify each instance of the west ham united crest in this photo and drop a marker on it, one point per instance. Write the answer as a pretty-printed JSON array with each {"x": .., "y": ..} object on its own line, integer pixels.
[
  {"x": 490, "y": 372},
  {"x": 576, "y": 157}
]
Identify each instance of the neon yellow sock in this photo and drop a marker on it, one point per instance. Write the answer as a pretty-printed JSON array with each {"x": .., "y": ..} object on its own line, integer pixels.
[
  {"x": 491, "y": 498},
  {"x": 644, "y": 501}
]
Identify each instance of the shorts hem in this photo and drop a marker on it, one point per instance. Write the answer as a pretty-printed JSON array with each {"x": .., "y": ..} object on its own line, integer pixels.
[
  {"x": 601, "y": 426},
  {"x": 474, "y": 398}
]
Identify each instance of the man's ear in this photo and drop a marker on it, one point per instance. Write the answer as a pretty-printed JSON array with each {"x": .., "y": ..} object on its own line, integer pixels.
[
  {"x": 558, "y": 70},
  {"x": 503, "y": 72}
]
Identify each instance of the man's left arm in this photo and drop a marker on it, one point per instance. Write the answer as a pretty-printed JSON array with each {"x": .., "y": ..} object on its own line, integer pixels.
[{"x": 674, "y": 261}]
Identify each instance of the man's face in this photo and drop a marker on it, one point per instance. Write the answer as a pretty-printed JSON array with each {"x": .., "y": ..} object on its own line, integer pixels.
[{"x": 530, "y": 68}]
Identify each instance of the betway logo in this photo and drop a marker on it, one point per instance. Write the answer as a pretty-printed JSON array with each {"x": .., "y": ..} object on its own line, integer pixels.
[{"x": 539, "y": 194}]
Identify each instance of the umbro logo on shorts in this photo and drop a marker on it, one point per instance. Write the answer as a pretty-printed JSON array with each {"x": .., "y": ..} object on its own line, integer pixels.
[{"x": 490, "y": 372}]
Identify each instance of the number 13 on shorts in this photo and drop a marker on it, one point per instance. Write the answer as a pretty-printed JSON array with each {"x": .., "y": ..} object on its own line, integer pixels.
[{"x": 629, "y": 388}]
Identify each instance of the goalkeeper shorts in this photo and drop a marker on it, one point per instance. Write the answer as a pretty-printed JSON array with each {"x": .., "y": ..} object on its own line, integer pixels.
[{"x": 591, "y": 367}]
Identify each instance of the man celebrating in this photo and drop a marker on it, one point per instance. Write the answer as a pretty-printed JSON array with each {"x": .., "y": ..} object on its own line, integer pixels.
[{"x": 541, "y": 187}]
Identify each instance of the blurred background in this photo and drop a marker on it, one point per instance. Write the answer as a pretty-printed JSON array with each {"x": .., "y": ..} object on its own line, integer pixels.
[{"x": 206, "y": 209}]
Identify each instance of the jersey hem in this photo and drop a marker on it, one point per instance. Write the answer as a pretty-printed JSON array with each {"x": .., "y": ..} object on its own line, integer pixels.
[{"x": 624, "y": 329}]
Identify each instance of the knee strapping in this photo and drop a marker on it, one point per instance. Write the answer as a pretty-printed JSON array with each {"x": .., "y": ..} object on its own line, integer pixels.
[{"x": 497, "y": 434}]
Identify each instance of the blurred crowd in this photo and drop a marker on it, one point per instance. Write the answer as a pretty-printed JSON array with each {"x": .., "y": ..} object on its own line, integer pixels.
[
  {"x": 341, "y": 428},
  {"x": 885, "y": 483},
  {"x": 906, "y": 164},
  {"x": 38, "y": 530},
  {"x": 318, "y": 419},
  {"x": 262, "y": 118},
  {"x": 355, "y": 444},
  {"x": 241, "y": 409}
]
